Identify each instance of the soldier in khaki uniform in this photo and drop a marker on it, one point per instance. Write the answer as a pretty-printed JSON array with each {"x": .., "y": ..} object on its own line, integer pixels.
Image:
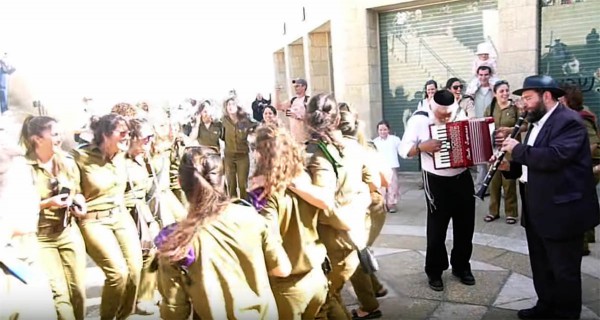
[
  {"x": 208, "y": 129},
  {"x": 24, "y": 289},
  {"x": 138, "y": 185},
  {"x": 375, "y": 174},
  {"x": 62, "y": 251},
  {"x": 337, "y": 168},
  {"x": 108, "y": 230},
  {"x": 236, "y": 127},
  {"x": 281, "y": 162},
  {"x": 175, "y": 153},
  {"x": 505, "y": 114},
  {"x": 218, "y": 257}
]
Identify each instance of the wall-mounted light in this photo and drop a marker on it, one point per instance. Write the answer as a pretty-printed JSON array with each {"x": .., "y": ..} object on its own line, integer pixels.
[
  {"x": 284, "y": 28},
  {"x": 303, "y": 13}
]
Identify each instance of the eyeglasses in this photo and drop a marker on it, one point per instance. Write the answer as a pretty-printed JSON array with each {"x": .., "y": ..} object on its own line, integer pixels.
[
  {"x": 147, "y": 139},
  {"x": 460, "y": 86}
]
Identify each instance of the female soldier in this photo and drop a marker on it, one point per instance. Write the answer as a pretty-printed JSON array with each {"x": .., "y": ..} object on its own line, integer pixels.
[
  {"x": 208, "y": 129},
  {"x": 338, "y": 170},
  {"x": 108, "y": 230},
  {"x": 62, "y": 251},
  {"x": 366, "y": 286},
  {"x": 281, "y": 161},
  {"x": 138, "y": 185},
  {"x": 24, "y": 289},
  {"x": 175, "y": 153},
  {"x": 505, "y": 114},
  {"x": 236, "y": 127},
  {"x": 218, "y": 257}
]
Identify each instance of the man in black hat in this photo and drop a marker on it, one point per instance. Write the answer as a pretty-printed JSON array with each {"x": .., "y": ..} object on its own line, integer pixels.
[
  {"x": 449, "y": 193},
  {"x": 559, "y": 201}
]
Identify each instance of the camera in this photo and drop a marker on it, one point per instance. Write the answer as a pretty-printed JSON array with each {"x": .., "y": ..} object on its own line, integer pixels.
[{"x": 66, "y": 192}]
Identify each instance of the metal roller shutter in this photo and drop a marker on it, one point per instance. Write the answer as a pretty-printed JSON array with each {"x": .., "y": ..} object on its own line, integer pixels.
[
  {"x": 570, "y": 45},
  {"x": 437, "y": 42}
]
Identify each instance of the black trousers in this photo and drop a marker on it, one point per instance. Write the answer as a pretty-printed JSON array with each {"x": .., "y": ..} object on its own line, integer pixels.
[
  {"x": 556, "y": 270},
  {"x": 449, "y": 198}
]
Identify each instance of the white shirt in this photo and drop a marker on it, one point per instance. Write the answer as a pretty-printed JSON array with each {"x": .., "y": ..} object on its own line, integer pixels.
[
  {"x": 389, "y": 148},
  {"x": 535, "y": 128},
  {"x": 417, "y": 130}
]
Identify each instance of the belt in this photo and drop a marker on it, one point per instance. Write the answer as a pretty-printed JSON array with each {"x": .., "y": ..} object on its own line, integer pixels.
[{"x": 97, "y": 215}]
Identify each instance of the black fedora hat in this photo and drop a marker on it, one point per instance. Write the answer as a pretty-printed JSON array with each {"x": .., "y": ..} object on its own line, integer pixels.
[{"x": 540, "y": 82}]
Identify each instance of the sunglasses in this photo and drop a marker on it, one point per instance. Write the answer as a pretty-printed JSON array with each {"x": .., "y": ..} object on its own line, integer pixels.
[
  {"x": 460, "y": 86},
  {"x": 147, "y": 139},
  {"x": 123, "y": 134}
]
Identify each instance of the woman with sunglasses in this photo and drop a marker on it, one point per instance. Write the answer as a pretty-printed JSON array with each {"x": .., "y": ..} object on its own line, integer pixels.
[
  {"x": 505, "y": 114},
  {"x": 138, "y": 185},
  {"x": 208, "y": 129},
  {"x": 108, "y": 230},
  {"x": 466, "y": 103},
  {"x": 217, "y": 261},
  {"x": 62, "y": 251}
]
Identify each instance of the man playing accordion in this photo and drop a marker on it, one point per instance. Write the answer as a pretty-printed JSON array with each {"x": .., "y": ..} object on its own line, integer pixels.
[{"x": 448, "y": 193}]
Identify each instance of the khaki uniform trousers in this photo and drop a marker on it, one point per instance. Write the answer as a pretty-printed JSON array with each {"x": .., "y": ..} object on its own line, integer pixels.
[
  {"x": 237, "y": 169},
  {"x": 148, "y": 280},
  {"x": 510, "y": 196},
  {"x": 64, "y": 260},
  {"x": 300, "y": 296},
  {"x": 25, "y": 301},
  {"x": 365, "y": 285},
  {"x": 343, "y": 265},
  {"x": 112, "y": 242}
]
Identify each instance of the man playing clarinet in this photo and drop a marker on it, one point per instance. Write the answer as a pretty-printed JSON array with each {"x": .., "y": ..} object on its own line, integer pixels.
[{"x": 448, "y": 193}]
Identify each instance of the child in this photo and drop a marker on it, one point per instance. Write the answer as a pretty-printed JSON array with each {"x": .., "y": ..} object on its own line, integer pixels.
[{"x": 484, "y": 58}]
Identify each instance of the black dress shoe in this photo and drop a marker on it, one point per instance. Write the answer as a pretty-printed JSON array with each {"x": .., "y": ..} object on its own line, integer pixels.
[
  {"x": 436, "y": 283},
  {"x": 466, "y": 277},
  {"x": 534, "y": 313}
]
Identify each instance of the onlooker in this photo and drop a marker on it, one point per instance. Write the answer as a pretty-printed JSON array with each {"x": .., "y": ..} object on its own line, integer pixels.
[
  {"x": 483, "y": 96},
  {"x": 559, "y": 201},
  {"x": 505, "y": 114},
  {"x": 430, "y": 88},
  {"x": 258, "y": 106},
  {"x": 573, "y": 99},
  {"x": 5, "y": 70},
  {"x": 388, "y": 145},
  {"x": 466, "y": 103},
  {"x": 297, "y": 110}
]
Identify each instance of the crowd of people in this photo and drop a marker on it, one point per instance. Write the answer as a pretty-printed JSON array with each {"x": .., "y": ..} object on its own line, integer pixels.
[{"x": 159, "y": 206}]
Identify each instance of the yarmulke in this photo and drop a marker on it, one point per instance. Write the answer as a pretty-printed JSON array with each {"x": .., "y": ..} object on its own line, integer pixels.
[{"x": 443, "y": 98}]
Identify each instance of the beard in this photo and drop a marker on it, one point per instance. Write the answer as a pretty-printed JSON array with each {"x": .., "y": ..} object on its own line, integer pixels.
[{"x": 536, "y": 114}]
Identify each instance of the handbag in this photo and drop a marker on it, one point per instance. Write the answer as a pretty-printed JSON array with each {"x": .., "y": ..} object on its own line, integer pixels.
[
  {"x": 367, "y": 259},
  {"x": 141, "y": 223}
]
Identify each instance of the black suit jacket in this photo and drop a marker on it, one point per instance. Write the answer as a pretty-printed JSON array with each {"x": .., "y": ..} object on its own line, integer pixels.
[{"x": 561, "y": 194}]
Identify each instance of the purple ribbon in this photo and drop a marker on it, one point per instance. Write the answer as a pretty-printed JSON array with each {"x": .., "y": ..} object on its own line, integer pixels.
[{"x": 161, "y": 238}]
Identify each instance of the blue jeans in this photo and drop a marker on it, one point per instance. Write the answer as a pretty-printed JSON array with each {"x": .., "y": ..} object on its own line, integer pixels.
[{"x": 3, "y": 100}]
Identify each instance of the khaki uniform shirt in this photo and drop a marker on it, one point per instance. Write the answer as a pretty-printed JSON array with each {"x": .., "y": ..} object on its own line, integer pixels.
[
  {"x": 102, "y": 181},
  {"x": 210, "y": 136},
  {"x": 53, "y": 221},
  {"x": 229, "y": 278},
  {"x": 351, "y": 193},
  {"x": 503, "y": 118},
  {"x": 175, "y": 154},
  {"x": 296, "y": 221},
  {"x": 235, "y": 135}
]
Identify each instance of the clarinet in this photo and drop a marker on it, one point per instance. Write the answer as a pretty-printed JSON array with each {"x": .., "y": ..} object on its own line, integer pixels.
[{"x": 499, "y": 157}]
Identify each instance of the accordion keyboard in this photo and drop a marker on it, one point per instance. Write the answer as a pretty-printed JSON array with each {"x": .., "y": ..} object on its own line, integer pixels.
[{"x": 441, "y": 158}]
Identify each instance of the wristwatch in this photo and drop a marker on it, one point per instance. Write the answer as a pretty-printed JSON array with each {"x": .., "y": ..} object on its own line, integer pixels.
[{"x": 417, "y": 147}]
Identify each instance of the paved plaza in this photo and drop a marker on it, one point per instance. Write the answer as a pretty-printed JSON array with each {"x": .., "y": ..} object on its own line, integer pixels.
[{"x": 500, "y": 265}]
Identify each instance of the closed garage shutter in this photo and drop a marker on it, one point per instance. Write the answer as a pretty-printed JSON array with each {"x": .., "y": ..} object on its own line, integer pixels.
[
  {"x": 437, "y": 42},
  {"x": 570, "y": 45}
]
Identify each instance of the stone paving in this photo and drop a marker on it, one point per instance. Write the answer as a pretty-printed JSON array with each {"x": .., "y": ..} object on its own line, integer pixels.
[{"x": 499, "y": 262}]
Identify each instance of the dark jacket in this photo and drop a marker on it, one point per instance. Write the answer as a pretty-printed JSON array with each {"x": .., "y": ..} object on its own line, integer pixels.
[
  {"x": 561, "y": 195},
  {"x": 258, "y": 106}
]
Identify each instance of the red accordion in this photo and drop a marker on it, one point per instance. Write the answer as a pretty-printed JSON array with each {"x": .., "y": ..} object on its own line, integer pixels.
[{"x": 464, "y": 143}]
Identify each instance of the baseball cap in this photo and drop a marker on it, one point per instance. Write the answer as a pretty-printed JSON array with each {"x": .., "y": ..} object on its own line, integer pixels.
[{"x": 300, "y": 81}]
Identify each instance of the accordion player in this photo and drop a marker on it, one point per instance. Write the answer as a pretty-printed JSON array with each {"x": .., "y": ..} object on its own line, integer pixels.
[{"x": 464, "y": 143}]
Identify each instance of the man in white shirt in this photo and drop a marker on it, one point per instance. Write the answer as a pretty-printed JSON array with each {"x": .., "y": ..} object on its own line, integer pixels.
[{"x": 449, "y": 194}]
